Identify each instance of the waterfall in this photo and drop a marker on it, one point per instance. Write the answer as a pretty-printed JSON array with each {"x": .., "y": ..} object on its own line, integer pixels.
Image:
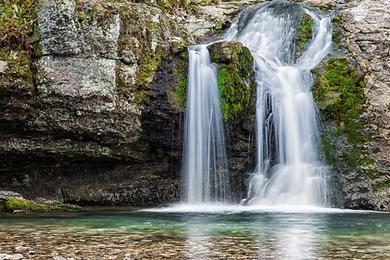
[
  {"x": 289, "y": 170},
  {"x": 204, "y": 158}
]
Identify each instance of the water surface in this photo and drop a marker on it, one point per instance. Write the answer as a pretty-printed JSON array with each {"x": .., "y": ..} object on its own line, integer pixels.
[{"x": 134, "y": 234}]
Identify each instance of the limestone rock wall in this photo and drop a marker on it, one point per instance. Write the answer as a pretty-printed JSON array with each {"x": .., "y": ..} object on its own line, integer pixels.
[
  {"x": 366, "y": 30},
  {"x": 87, "y": 108}
]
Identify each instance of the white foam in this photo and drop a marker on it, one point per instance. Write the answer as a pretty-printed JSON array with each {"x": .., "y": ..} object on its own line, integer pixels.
[{"x": 236, "y": 209}]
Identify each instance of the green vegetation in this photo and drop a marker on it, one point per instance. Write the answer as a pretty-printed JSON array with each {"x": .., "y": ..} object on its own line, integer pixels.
[
  {"x": 235, "y": 78},
  {"x": 180, "y": 71},
  {"x": 148, "y": 66},
  {"x": 305, "y": 34},
  {"x": 172, "y": 5},
  {"x": 336, "y": 30},
  {"x": 15, "y": 204},
  {"x": 180, "y": 93},
  {"x": 339, "y": 92},
  {"x": 381, "y": 185},
  {"x": 146, "y": 71},
  {"x": 17, "y": 20},
  {"x": 16, "y": 23}
]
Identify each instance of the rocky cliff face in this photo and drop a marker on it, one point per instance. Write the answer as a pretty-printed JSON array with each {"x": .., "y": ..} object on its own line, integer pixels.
[
  {"x": 364, "y": 31},
  {"x": 92, "y": 101},
  {"x": 351, "y": 89},
  {"x": 88, "y": 113}
]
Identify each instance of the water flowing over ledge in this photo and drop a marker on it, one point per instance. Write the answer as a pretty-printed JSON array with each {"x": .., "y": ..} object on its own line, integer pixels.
[
  {"x": 204, "y": 158},
  {"x": 289, "y": 169}
]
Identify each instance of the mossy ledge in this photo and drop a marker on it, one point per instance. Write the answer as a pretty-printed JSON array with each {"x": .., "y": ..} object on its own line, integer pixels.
[
  {"x": 236, "y": 81},
  {"x": 15, "y": 205}
]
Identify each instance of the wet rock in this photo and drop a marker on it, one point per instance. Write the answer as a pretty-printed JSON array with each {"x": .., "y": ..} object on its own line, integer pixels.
[
  {"x": 96, "y": 102},
  {"x": 366, "y": 30},
  {"x": 237, "y": 86},
  {"x": 358, "y": 145}
]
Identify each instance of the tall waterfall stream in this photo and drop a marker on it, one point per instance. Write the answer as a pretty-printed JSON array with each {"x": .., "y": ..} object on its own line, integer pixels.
[{"x": 289, "y": 170}]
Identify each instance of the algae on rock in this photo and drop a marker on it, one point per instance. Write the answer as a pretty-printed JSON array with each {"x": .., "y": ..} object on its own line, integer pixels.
[
  {"x": 339, "y": 91},
  {"x": 236, "y": 80}
]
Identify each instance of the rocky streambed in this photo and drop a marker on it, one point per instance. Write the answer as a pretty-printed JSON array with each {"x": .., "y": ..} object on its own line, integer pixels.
[{"x": 175, "y": 235}]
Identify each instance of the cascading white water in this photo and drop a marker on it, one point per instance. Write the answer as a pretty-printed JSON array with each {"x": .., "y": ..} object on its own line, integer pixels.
[
  {"x": 289, "y": 170},
  {"x": 204, "y": 158}
]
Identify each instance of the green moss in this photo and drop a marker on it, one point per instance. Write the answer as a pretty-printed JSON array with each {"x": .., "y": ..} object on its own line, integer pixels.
[
  {"x": 187, "y": 5},
  {"x": 336, "y": 30},
  {"x": 18, "y": 65},
  {"x": 328, "y": 148},
  {"x": 148, "y": 67},
  {"x": 17, "y": 23},
  {"x": 339, "y": 92},
  {"x": 236, "y": 82},
  {"x": 305, "y": 33},
  {"x": 381, "y": 185},
  {"x": 17, "y": 18},
  {"x": 140, "y": 96},
  {"x": 173, "y": 5},
  {"x": 145, "y": 74},
  {"x": 179, "y": 94},
  {"x": 13, "y": 204}
]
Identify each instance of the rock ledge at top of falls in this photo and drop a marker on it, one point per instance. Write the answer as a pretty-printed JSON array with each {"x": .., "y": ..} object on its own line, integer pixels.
[{"x": 212, "y": 17}]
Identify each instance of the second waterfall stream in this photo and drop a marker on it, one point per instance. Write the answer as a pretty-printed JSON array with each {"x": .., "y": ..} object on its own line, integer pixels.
[{"x": 289, "y": 169}]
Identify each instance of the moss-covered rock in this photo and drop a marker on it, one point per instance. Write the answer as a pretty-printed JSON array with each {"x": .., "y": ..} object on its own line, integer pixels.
[
  {"x": 14, "y": 205},
  {"x": 147, "y": 38},
  {"x": 179, "y": 94},
  {"x": 237, "y": 87},
  {"x": 17, "y": 19},
  {"x": 236, "y": 80},
  {"x": 17, "y": 22},
  {"x": 339, "y": 92},
  {"x": 305, "y": 32}
]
